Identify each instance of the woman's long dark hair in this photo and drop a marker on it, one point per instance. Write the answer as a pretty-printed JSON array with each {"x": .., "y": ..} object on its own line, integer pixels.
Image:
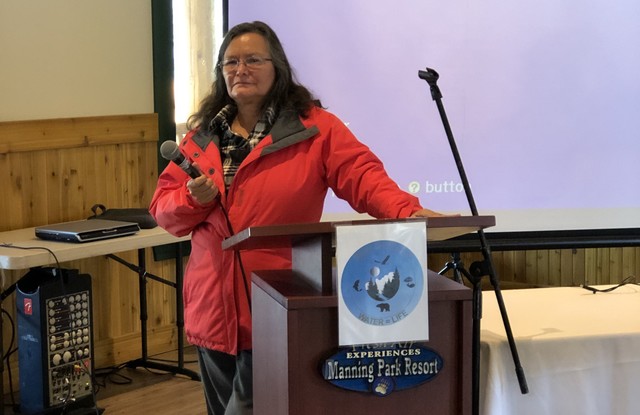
[{"x": 285, "y": 92}]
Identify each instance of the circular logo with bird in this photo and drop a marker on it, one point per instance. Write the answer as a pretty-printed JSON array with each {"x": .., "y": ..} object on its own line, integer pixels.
[{"x": 381, "y": 282}]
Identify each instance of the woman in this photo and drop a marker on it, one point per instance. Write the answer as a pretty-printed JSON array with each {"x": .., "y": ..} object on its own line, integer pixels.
[{"x": 269, "y": 154}]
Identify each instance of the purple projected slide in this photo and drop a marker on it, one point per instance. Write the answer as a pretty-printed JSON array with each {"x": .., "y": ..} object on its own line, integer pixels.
[{"x": 543, "y": 98}]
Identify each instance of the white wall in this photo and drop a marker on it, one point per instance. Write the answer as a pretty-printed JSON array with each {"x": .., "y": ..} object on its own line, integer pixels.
[{"x": 75, "y": 58}]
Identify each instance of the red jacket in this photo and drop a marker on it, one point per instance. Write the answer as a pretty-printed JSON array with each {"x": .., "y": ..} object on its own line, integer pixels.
[{"x": 283, "y": 180}]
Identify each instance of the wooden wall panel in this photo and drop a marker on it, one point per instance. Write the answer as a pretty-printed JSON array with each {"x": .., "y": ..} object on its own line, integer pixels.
[
  {"x": 33, "y": 135},
  {"x": 558, "y": 267}
]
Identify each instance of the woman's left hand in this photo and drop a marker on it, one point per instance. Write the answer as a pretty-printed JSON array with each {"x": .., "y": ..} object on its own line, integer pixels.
[{"x": 428, "y": 213}]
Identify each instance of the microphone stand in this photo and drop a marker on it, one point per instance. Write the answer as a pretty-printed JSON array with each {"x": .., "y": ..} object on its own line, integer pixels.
[{"x": 477, "y": 269}]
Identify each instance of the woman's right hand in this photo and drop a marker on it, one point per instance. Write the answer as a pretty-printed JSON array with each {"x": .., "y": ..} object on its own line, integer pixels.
[{"x": 202, "y": 190}]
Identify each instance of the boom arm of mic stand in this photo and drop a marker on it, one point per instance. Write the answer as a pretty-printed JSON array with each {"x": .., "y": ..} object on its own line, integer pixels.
[{"x": 431, "y": 76}]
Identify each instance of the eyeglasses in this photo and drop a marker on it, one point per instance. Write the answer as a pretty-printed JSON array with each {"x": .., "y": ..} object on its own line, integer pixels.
[{"x": 251, "y": 62}]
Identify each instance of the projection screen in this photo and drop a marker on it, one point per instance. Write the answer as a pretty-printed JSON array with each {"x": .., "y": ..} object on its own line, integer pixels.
[{"x": 543, "y": 98}]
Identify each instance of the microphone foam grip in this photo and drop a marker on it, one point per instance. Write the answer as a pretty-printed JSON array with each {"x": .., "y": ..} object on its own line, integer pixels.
[{"x": 169, "y": 150}]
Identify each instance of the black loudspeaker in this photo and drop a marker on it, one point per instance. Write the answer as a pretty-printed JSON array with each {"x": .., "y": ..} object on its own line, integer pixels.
[{"x": 55, "y": 342}]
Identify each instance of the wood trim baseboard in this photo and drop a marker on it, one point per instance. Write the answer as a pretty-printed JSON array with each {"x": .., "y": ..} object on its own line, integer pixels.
[{"x": 115, "y": 351}]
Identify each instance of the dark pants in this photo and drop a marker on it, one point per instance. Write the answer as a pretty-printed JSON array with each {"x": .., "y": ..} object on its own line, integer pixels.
[{"x": 227, "y": 382}]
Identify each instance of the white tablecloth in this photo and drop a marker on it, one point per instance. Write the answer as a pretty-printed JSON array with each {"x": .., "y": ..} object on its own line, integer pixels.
[{"x": 580, "y": 352}]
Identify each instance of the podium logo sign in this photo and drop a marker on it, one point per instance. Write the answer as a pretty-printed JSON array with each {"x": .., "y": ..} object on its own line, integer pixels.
[
  {"x": 382, "y": 369},
  {"x": 382, "y": 285}
]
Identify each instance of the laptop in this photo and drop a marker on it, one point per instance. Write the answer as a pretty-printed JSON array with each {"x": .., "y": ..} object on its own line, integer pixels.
[{"x": 86, "y": 230}]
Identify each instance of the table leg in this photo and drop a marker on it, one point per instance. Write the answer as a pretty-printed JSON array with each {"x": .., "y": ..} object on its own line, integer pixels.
[{"x": 143, "y": 275}]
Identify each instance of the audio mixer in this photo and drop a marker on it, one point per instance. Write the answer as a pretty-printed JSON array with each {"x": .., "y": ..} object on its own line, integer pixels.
[{"x": 55, "y": 344}]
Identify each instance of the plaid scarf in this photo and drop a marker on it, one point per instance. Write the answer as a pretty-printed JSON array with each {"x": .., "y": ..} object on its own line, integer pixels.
[{"x": 233, "y": 147}]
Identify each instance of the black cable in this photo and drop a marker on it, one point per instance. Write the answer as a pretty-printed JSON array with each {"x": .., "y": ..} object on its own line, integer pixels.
[
  {"x": 86, "y": 370},
  {"x": 109, "y": 374},
  {"x": 27, "y": 248},
  {"x": 237, "y": 253},
  {"x": 630, "y": 280},
  {"x": 13, "y": 334},
  {"x": 7, "y": 355},
  {"x": 58, "y": 268}
]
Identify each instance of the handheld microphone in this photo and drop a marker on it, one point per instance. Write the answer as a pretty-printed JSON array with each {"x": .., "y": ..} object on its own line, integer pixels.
[{"x": 170, "y": 151}]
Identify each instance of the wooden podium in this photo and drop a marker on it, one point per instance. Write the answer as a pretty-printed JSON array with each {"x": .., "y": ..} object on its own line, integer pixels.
[{"x": 295, "y": 327}]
